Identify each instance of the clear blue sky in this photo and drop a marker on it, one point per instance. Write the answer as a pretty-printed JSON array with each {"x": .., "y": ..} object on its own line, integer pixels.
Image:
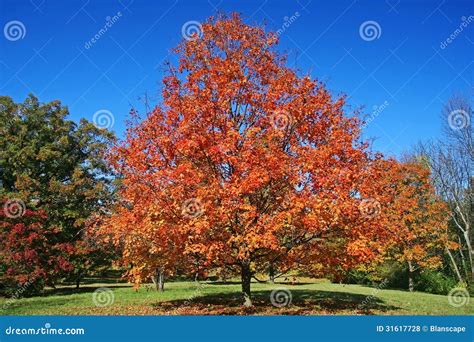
[{"x": 404, "y": 69}]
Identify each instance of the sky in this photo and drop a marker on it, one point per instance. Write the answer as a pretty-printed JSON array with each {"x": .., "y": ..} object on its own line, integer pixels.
[{"x": 397, "y": 60}]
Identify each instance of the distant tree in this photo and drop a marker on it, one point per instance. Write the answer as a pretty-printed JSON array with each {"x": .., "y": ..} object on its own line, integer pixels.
[
  {"x": 414, "y": 217},
  {"x": 53, "y": 165},
  {"x": 451, "y": 160}
]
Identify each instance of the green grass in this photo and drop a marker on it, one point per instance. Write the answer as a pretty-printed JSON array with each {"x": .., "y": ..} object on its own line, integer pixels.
[{"x": 308, "y": 298}]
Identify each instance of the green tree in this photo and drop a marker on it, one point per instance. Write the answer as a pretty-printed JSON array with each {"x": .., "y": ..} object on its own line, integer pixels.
[{"x": 53, "y": 164}]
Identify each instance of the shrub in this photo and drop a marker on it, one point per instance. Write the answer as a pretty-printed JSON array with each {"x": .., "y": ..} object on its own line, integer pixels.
[{"x": 434, "y": 282}]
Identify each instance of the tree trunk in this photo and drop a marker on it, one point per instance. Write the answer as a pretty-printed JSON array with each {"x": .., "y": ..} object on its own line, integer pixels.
[
  {"x": 246, "y": 278},
  {"x": 159, "y": 279},
  {"x": 470, "y": 250},
  {"x": 411, "y": 284},
  {"x": 271, "y": 273},
  {"x": 463, "y": 260},
  {"x": 78, "y": 280},
  {"x": 455, "y": 266}
]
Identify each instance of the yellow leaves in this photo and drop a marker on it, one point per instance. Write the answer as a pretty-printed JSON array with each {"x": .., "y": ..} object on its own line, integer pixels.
[{"x": 247, "y": 207}]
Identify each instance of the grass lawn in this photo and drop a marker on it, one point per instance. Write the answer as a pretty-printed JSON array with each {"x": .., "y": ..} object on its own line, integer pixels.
[{"x": 309, "y": 297}]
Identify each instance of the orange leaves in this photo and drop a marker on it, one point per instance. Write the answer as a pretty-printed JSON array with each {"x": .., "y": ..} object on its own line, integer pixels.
[
  {"x": 452, "y": 245},
  {"x": 413, "y": 217},
  {"x": 271, "y": 156}
]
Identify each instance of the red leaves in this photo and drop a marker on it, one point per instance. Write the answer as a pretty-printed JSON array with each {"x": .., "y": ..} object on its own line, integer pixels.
[{"x": 29, "y": 250}]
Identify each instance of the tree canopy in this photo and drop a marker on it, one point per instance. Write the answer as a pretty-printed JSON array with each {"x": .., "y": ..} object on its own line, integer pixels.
[
  {"x": 244, "y": 163},
  {"x": 54, "y": 169}
]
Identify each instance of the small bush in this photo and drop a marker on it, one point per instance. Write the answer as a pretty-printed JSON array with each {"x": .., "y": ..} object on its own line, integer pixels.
[
  {"x": 356, "y": 277},
  {"x": 396, "y": 275},
  {"x": 434, "y": 282},
  {"x": 391, "y": 274},
  {"x": 470, "y": 289}
]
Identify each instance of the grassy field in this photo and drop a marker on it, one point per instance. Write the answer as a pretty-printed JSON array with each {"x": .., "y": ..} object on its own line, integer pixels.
[{"x": 309, "y": 297}]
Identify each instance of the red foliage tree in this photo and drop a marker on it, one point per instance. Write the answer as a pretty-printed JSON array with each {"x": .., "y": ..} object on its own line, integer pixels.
[{"x": 30, "y": 253}]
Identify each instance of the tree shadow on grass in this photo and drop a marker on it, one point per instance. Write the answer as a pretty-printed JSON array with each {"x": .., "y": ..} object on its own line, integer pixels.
[
  {"x": 44, "y": 304},
  {"x": 303, "y": 302},
  {"x": 89, "y": 281},
  {"x": 64, "y": 291},
  {"x": 295, "y": 283},
  {"x": 228, "y": 282}
]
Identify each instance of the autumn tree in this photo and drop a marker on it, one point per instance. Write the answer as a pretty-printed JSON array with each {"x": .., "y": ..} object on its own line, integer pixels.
[
  {"x": 244, "y": 160},
  {"x": 31, "y": 253},
  {"x": 51, "y": 164},
  {"x": 413, "y": 216}
]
